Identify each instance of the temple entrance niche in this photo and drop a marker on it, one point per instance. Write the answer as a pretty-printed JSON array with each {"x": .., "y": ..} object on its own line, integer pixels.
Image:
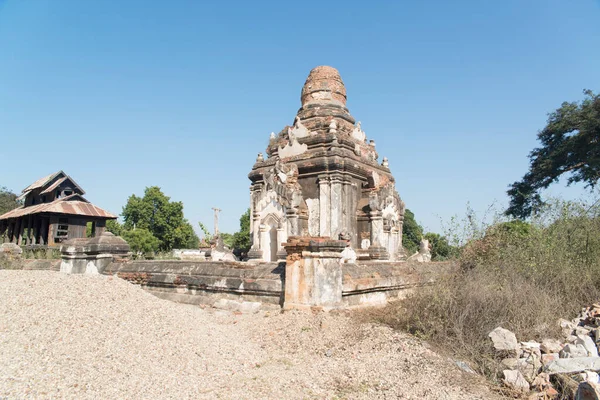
[{"x": 270, "y": 232}]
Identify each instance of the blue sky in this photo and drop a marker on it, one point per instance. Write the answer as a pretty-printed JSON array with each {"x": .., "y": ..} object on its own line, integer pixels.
[{"x": 183, "y": 94}]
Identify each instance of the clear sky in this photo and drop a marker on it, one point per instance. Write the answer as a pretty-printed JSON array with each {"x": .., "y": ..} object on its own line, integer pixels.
[{"x": 124, "y": 94}]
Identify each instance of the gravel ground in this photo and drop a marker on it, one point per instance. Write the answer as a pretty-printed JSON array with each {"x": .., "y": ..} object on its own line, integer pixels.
[{"x": 73, "y": 336}]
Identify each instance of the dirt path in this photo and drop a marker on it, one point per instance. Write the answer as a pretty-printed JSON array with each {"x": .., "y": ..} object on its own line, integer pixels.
[{"x": 83, "y": 337}]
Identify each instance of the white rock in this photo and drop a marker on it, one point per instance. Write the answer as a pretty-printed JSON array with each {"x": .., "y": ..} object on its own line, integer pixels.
[
  {"x": 589, "y": 376},
  {"x": 589, "y": 345},
  {"x": 567, "y": 326},
  {"x": 515, "y": 380},
  {"x": 549, "y": 346},
  {"x": 573, "y": 351},
  {"x": 549, "y": 357},
  {"x": 573, "y": 365},
  {"x": 510, "y": 363},
  {"x": 582, "y": 330},
  {"x": 571, "y": 339},
  {"x": 529, "y": 367},
  {"x": 530, "y": 345},
  {"x": 504, "y": 340},
  {"x": 541, "y": 382}
]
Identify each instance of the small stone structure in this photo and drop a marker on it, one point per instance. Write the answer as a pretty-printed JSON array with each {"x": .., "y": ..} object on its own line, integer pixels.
[
  {"x": 92, "y": 256},
  {"x": 313, "y": 273},
  {"x": 322, "y": 178}
]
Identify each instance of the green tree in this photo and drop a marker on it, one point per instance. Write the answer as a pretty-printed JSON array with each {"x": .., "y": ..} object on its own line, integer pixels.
[
  {"x": 8, "y": 200},
  {"x": 440, "y": 248},
  {"x": 412, "y": 232},
  {"x": 161, "y": 217},
  {"x": 228, "y": 239},
  {"x": 515, "y": 228},
  {"x": 114, "y": 227},
  {"x": 570, "y": 145},
  {"x": 241, "y": 239},
  {"x": 141, "y": 241}
]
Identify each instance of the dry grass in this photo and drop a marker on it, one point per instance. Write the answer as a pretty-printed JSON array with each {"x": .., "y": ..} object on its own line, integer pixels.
[{"x": 523, "y": 277}]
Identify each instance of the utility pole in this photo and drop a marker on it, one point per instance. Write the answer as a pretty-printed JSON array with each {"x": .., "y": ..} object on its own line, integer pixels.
[{"x": 216, "y": 210}]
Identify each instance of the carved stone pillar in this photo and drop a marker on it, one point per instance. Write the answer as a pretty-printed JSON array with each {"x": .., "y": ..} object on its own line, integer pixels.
[
  {"x": 348, "y": 209},
  {"x": 293, "y": 226},
  {"x": 377, "y": 251},
  {"x": 281, "y": 238},
  {"x": 401, "y": 254},
  {"x": 336, "y": 205},
  {"x": 324, "y": 206},
  {"x": 255, "y": 252},
  {"x": 265, "y": 242},
  {"x": 394, "y": 244}
]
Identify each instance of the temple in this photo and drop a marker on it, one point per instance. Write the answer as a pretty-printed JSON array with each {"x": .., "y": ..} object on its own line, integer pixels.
[
  {"x": 53, "y": 211},
  {"x": 321, "y": 177}
]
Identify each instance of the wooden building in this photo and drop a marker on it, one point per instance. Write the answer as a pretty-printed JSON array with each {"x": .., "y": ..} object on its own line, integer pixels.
[{"x": 53, "y": 211}]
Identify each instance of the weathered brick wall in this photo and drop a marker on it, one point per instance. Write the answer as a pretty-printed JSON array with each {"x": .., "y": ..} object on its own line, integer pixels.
[
  {"x": 375, "y": 283},
  {"x": 215, "y": 283}
]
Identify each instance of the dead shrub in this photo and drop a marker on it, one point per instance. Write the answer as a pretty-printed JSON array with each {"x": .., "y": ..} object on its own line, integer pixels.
[{"x": 521, "y": 277}]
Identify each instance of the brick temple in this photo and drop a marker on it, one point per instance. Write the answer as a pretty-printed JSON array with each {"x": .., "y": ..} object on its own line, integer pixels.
[{"x": 322, "y": 177}]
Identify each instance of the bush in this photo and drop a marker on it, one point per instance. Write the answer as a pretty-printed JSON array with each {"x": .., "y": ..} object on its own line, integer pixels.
[
  {"x": 521, "y": 276},
  {"x": 142, "y": 242}
]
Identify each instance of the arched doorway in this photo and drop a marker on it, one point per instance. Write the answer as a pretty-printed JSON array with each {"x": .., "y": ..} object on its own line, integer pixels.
[
  {"x": 270, "y": 244},
  {"x": 274, "y": 244}
]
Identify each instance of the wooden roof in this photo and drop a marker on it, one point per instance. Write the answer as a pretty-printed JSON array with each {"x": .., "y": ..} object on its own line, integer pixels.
[
  {"x": 48, "y": 183},
  {"x": 74, "y": 204}
]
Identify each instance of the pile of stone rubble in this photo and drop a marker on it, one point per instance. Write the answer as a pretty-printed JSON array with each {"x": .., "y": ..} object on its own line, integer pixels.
[{"x": 554, "y": 368}]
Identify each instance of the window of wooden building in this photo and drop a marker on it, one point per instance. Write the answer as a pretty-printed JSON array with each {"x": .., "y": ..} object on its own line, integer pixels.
[{"x": 62, "y": 230}]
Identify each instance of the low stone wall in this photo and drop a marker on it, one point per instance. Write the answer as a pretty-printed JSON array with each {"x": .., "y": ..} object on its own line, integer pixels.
[
  {"x": 312, "y": 277},
  {"x": 376, "y": 283},
  {"x": 243, "y": 286},
  {"x": 221, "y": 284}
]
